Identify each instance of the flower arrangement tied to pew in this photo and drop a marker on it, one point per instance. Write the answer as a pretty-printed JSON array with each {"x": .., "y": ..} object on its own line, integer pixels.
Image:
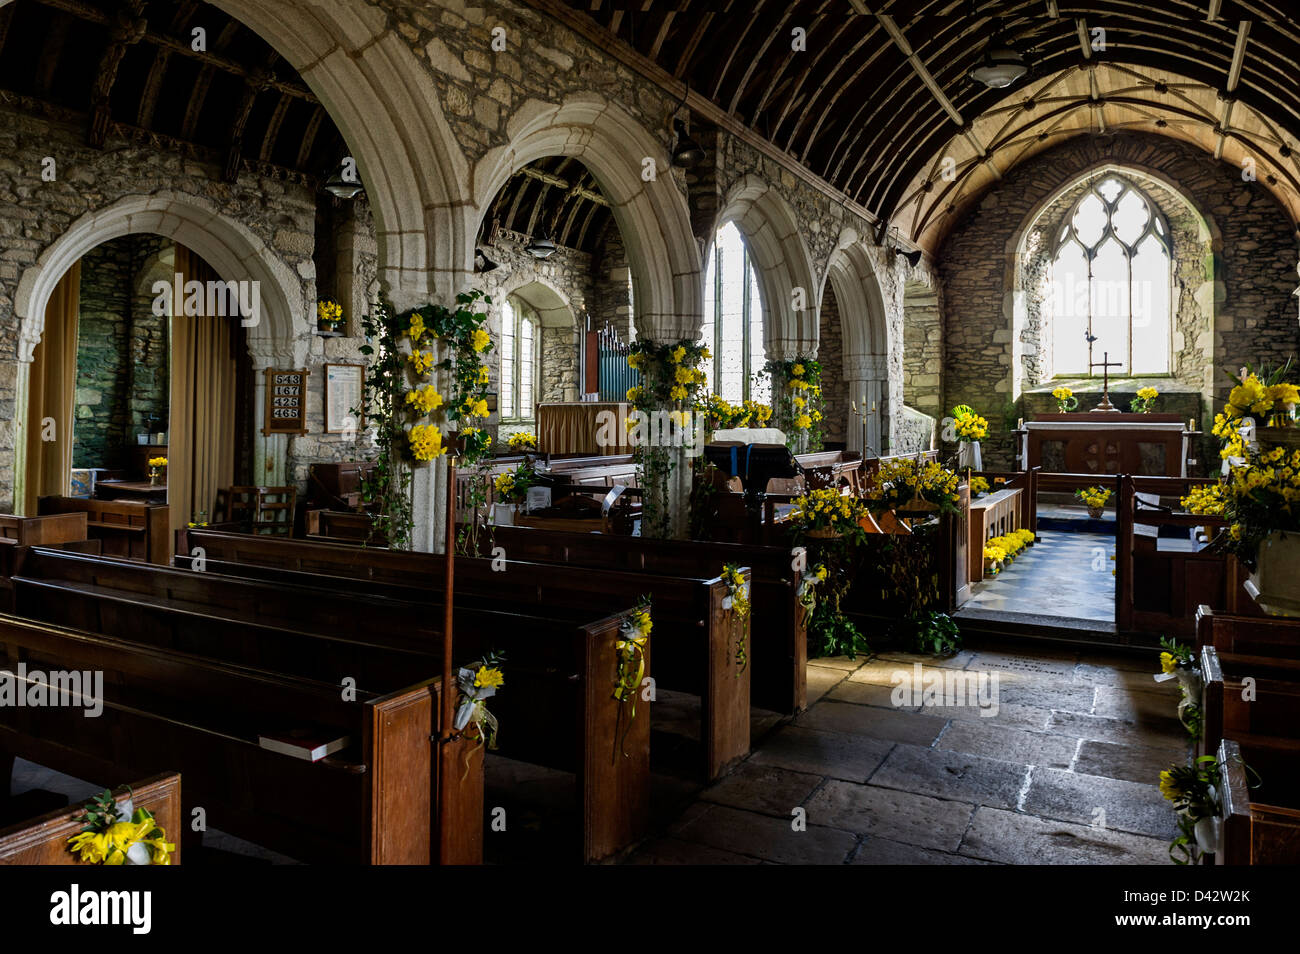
[
  {"x": 512, "y": 486},
  {"x": 1179, "y": 662},
  {"x": 901, "y": 479},
  {"x": 634, "y": 636},
  {"x": 479, "y": 682},
  {"x": 737, "y": 601},
  {"x": 119, "y": 835}
]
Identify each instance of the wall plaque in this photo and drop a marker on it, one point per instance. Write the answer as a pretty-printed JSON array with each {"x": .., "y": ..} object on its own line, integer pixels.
[{"x": 286, "y": 402}]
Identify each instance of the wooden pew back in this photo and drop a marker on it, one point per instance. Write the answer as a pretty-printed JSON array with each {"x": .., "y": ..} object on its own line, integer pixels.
[
  {"x": 136, "y": 531},
  {"x": 1261, "y": 824}
]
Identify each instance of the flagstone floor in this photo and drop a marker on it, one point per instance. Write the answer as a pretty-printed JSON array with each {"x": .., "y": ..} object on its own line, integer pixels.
[
  {"x": 1064, "y": 772},
  {"x": 1062, "y": 574}
]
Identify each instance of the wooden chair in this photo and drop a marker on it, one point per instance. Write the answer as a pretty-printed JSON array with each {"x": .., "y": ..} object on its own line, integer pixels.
[
  {"x": 235, "y": 505},
  {"x": 274, "y": 511}
]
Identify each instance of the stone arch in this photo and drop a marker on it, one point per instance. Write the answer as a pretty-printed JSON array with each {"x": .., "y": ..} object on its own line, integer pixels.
[
  {"x": 1196, "y": 243},
  {"x": 651, "y": 215},
  {"x": 552, "y": 305},
  {"x": 869, "y": 346},
  {"x": 782, "y": 262},
  {"x": 559, "y": 337},
  {"x": 231, "y": 248}
]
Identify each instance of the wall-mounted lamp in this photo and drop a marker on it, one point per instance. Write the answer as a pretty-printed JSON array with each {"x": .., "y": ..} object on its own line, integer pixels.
[{"x": 687, "y": 153}]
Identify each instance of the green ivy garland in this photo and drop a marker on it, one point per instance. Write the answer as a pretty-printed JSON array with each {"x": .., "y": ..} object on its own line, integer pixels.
[{"x": 797, "y": 402}]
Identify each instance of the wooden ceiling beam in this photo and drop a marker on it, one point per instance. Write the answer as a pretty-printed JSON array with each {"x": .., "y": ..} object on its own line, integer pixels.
[{"x": 743, "y": 86}]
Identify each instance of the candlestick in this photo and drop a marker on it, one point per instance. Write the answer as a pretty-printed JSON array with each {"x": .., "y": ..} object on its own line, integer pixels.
[{"x": 1020, "y": 424}]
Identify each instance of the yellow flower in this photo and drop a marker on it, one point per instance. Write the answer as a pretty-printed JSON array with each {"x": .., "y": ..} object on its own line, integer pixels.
[
  {"x": 421, "y": 362},
  {"x": 797, "y": 370},
  {"x": 678, "y": 353},
  {"x": 425, "y": 398},
  {"x": 91, "y": 847},
  {"x": 1148, "y": 393},
  {"x": 1062, "y": 393},
  {"x": 803, "y": 422},
  {"x": 706, "y": 354},
  {"x": 488, "y": 677},
  {"x": 415, "y": 330},
  {"x": 484, "y": 375},
  {"x": 480, "y": 340},
  {"x": 1168, "y": 663},
  {"x": 157, "y": 461},
  {"x": 1284, "y": 393},
  {"x": 634, "y": 360},
  {"x": 426, "y": 442},
  {"x": 1168, "y": 787},
  {"x": 477, "y": 408},
  {"x": 678, "y": 393}
]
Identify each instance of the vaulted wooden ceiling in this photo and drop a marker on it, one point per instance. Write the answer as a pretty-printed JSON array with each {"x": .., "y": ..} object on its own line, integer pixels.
[
  {"x": 555, "y": 197},
  {"x": 882, "y": 91},
  {"x": 130, "y": 67}
]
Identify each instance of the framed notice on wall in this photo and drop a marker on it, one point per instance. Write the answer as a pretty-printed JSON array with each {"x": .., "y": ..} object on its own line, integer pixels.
[
  {"x": 286, "y": 402},
  {"x": 345, "y": 409}
]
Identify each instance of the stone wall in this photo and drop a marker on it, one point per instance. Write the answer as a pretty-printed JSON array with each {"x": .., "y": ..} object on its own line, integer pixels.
[
  {"x": 836, "y": 415},
  {"x": 991, "y": 343},
  {"x": 103, "y": 365},
  {"x": 922, "y": 349},
  {"x": 612, "y": 292}
]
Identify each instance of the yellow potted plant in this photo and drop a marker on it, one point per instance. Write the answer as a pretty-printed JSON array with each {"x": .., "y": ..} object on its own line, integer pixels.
[{"x": 1094, "y": 498}]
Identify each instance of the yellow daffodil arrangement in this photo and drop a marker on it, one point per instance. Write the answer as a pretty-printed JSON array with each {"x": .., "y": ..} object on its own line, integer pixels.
[
  {"x": 978, "y": 485},
  {"x": 899, "y": 479},
  {"x": 722, "y": 415},
  {"x": 1002, "y": 549},
  {"x": 521, "y": 441},
  {"x": 119, "y": 835},
  {"x": 812, "y": 578},
  {"x": 156, "y": 467},
  {"x": 967, "y": 425},
  {"x": 408, "y": 413},
  {"x": 634, "y": 636},
  {"x": 1259, "y": 492},
  {"x": 737, "y": 601},
  {"x": 797, "y": 401},
  {"x": 479, "y": 682},
  {"x": 1194, "y": 792},
  {"x": 328, "y": 315},
  {"x": 994, "y": 556},
  {"x": 672, "y": 379},
  {"x": 1065, "y": 399},
  {"x": 1179, "y": 662},
  {"x": 1094, "y": 498},
  {"x": 828, "y": 513},
  {"x": 1145, "y": 401},
  {"x": 512, "y": 486}
]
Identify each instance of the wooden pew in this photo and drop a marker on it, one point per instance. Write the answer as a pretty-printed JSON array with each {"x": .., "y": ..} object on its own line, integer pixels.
[
  {"x": 1229, "y": 711},
  {"x": 136, "y": 531},
  {"x": 44, "y": 840},
  {"x": 50, "y": 529},
  {"x": 1248, "y": 635},
  {"x": 372, "y": 803},
  {"x": 558, "y": 663},
  {"x": 347, "y": 527},
  {"x": 778, "y": 629},
  {"x": 1261, "y": 825},
  {"x": 696, "y": 640}
]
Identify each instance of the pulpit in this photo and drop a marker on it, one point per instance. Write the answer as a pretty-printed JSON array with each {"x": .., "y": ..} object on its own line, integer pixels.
[{"x": 1149, "y": 445}]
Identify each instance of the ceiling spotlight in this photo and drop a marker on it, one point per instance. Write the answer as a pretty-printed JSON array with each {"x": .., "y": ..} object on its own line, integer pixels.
[
  {"x": 482, "y": 263},
  {"x": 344, "y": 187},
  {"x": 913, "y": 258},
  {"x": 687, "y": 153},
  {"x": 541, "y": 248},
  {"x": 1000, "y": 65}
]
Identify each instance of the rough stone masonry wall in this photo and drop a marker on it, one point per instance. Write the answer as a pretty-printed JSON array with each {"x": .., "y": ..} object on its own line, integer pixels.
[
  {"x": 149, "y": 397},
  {"x": 103, "y": 365},
  {"x": 33, "y": 214},
  {"x": 835, "y": 390},
  {"x": 922, "y": 349},
  {"x": 612, "y": 293},
  {"x": 1255, "y": 314}
]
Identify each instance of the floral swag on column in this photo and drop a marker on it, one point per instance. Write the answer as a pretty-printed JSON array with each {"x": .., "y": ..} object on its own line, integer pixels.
[
  {"x": 407, "y": 415},
  {"x": 662, "y": 429},
  {"x": 797, "y": 402}
]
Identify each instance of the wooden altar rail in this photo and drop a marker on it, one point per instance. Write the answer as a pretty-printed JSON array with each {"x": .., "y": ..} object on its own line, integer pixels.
[
  {"x": 1024, "y": 481},
  {"x": 1158, "y": 591}
]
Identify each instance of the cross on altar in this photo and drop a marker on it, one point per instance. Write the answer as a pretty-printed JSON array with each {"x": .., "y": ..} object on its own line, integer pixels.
[{"x": 1105, "y": 366}]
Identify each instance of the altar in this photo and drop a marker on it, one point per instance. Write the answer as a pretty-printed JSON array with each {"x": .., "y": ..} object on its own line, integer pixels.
[
  {"x": 1101, "y": 442},
  {"x": 591, "y": 428}
]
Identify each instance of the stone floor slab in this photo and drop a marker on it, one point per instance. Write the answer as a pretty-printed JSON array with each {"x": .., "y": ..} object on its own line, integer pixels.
[
  {"x": 1007, "y": 744},
  {"x": 1135, "y": 807},
  {"x": 1102, "y": 729},
  {"x": 1133, "y": 763},
  {"x": 871, "y": 721},
  {"x": 952, "y": 775},
  {"x": 822, "y": 680},
  {"x": 1019, "y": 839},
  {"x": 882, "y": 851},
  {"x": 913, "y": 819},
  {"x": 763, "y": 788},
  {"x": 833, "y": 754},
  {"x": 868, "y": 694},
  {"x": 761, "y": 836}
]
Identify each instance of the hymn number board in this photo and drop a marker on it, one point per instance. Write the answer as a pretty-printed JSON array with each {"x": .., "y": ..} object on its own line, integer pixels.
[{"x": 286, "y": 402}]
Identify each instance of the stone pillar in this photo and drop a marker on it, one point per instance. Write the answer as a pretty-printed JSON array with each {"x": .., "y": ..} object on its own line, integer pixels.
[{"x": 868, "y": 383}]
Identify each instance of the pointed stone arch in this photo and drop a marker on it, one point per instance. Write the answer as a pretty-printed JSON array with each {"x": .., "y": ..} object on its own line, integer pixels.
[
  {"x": 652, "y": 215},
  {"x": 782, "y": 262}
]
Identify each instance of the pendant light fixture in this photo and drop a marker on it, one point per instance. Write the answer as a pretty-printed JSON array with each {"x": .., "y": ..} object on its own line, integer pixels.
[
  {"x": 1000, "y": 65},
  {"x": 687, "y": 153}
]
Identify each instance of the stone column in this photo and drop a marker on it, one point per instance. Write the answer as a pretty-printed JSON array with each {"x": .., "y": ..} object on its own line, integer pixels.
[{"x": 868, "y": 383}]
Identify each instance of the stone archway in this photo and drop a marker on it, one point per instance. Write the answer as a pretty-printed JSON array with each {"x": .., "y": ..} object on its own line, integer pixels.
[
  {"x": 783, "y": 265},
  {"x": 651, "y": 215},
  {"x": 560, "y": 338},
  {"x": 869, "y": 350}
]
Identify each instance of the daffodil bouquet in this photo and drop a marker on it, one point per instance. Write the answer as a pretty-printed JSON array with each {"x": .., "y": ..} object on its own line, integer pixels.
[
  {"x": 1179, "y": 662},
  {"x": 521, "y": 441},
  {"x": 1094, "y": 497},
  {"x": 827, "y": 512},
  {"x": 512, "y": 486},
  {"x": 1194, "y": 791},
  {"x": 479, "y": 682},
  {"x": 967, "y": 425},
  {"x": 119, "y": 835},
  {"x": 899, "y": 480},
  {"x": 1065, "y": 399},
  {"x": 1145, "y": 400}
]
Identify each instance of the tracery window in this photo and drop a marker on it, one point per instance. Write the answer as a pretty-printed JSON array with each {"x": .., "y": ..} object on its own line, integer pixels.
[
  {"x": 519, "y": 364},
  {"x": 733, "y": 321}
]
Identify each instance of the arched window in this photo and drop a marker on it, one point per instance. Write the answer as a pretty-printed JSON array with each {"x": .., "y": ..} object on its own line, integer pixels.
[
  {"x": 733, "y": 321},
  {"x": 519, "y": 343},
  {"x": 1111, "y": 283}
]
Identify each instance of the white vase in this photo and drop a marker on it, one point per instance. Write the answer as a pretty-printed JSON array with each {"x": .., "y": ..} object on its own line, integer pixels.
[
  {"x": 503, "y": 515},
  {"x": 1275, "y": 584},
  {"x": 968, "y": 455}
]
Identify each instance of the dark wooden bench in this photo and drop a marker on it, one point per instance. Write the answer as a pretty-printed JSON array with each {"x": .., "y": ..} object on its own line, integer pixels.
[
  {"x": 44, "y": 840},
  {"x": 560, "y": 664},
  {"x": 696, "y": 639},
  {"x": 1248, "y": 635},
  {"x": 50, "y": 529},
  {"x": 1261, "y": 824},
  {"x": 1228, "y": 709},
  {"x": 171, "y": 711},
  {"x": 778, "y": 634},
  {"x": 136, "y": 531}
]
